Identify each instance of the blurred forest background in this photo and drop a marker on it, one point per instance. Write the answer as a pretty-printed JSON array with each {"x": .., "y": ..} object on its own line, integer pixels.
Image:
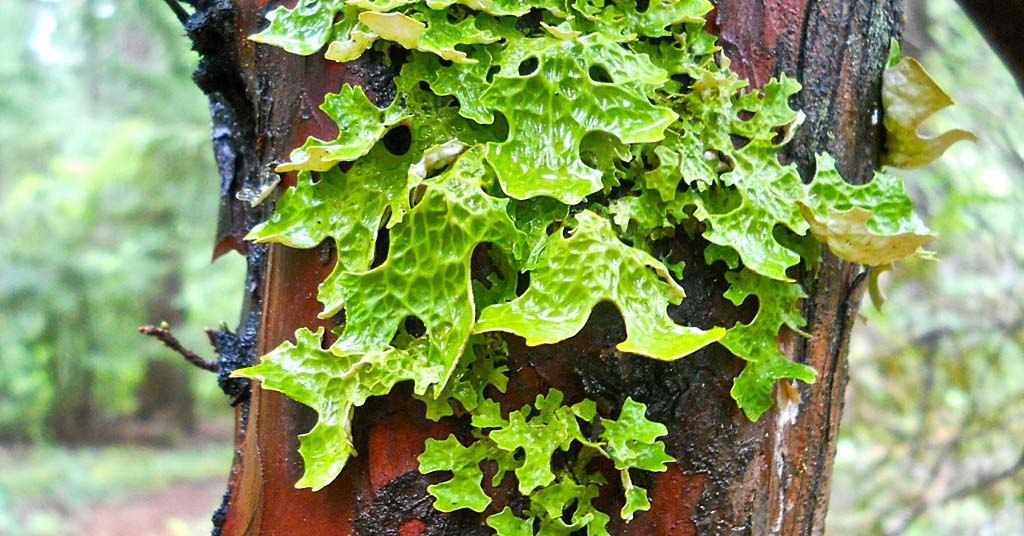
[
  {"x": 108, "y": 201},
  {"x": 108, "y": 198}
]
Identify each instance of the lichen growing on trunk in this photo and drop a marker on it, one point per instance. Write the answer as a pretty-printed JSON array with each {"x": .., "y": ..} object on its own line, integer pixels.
[{"x": 595, "y": 133}]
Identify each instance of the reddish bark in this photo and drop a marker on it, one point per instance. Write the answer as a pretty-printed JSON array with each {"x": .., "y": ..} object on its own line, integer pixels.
[
  {"x": 680, "y": 489},
  {"x": 770, "y": 477}
]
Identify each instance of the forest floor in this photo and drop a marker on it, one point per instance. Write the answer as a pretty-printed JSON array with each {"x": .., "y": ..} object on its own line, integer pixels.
[
  {"x": 181, "y": 509},
  {"x": 115, "y": 490}
]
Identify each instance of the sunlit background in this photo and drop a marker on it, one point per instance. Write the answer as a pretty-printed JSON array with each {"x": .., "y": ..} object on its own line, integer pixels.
[{"x": 108, "y": 197}]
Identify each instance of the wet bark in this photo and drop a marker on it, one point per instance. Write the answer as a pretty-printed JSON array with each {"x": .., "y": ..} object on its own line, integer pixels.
[{"x": 732, "y": 476}]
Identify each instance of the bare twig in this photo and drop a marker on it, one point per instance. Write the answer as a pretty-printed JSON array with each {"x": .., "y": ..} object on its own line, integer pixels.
[
  {"x": 178, "y": 10},
  {"x": 997, "y": 21},
  {"x": 976, "y": 487},
  {"x": 933, "y": 335},
  {"x": 984, "y": 483},
  {"x": 164, "y": 335}
]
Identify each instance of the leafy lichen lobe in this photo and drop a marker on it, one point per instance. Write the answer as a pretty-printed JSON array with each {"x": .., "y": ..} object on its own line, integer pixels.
[{"x": 567, "y": 146}]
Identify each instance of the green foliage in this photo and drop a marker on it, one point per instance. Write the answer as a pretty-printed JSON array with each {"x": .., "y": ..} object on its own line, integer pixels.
[
  {"x": 755, "y": 342},
  {"x": 360, "y": 126},
  {"x": 632, "y": 440},
  {"x": 43, "y": 489},
  {"x": 572, "y": 275},
  {"x": 334, "y": 385},
  {"x": 314, "y": 210},
  {"x": 569, "y": 147},
  {"x": 441, "y": 232},
  {"x": 760, "y": 193},
  {"x": 541, "y": 155},
  {"x": 873, "y": 224},
  {"x": 523, "y": 445},
  {"x": 479, "y": 368},
  {"x": 303, "y": 29},
  {"x": 427, "y": 30},
  {"x": 101, "y": 193}
]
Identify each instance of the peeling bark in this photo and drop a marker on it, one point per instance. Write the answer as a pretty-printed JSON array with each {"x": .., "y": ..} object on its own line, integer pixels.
[{"x": 732, "y": 476}]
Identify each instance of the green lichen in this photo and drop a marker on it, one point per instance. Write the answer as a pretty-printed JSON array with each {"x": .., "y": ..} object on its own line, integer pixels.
[
  {"x": 303, "y": 29},
  {"x": 563, "y": 146},
  {"x": 334, "y": 383},
  {"x": 910, "y": 97},
  {"x": 453, "y": 218},
  {"x": 755, "y": 342},
  {"x": 360, "y": 125},
  {"x": 574, "y": 274},
  {"x": 873, "y": 224},
  {"x": 523, "y": 444},
  {"x": 541, "y": 156}
]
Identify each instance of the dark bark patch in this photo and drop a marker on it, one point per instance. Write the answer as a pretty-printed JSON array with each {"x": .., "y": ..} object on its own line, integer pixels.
[
  {"x": 235, "y": 352},
  {"x": 377, "y": 76},
  {"x": 212, "y": 30},
  {"x": 221, "y": 514},
  {"x": 402, "y": 502}
]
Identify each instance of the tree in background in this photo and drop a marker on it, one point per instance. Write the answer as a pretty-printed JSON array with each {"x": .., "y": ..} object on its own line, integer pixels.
[{"x": 102, "y": 212}]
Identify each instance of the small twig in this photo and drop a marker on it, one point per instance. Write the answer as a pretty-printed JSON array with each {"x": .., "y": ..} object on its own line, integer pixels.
[
  {"x": 984, "y": 482},
  {"x": 164, "y": 335},
  {"x": 979, "y": 485},
  {"x": 178, "y": 10},
  {"x": 921, "y": 504},
  {"x": 933, "y": 335}
]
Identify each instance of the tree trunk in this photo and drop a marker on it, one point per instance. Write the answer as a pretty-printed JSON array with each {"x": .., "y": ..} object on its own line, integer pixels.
[
  {"x": 73, "y": 414},
  {"x": 732, "y": 475}
]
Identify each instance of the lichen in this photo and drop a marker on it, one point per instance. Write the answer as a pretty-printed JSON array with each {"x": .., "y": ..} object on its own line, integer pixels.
[{"x": 567, "y": 142}]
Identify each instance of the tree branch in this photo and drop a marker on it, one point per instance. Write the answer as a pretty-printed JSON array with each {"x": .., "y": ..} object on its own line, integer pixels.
[
  {"x": 178, "y": 10},
  {"x": 934, "y": 335},
  {"x": 164, "y": 335},
  {"x": 977, "y": 486},
  {"x": 999, "y": 22}
]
